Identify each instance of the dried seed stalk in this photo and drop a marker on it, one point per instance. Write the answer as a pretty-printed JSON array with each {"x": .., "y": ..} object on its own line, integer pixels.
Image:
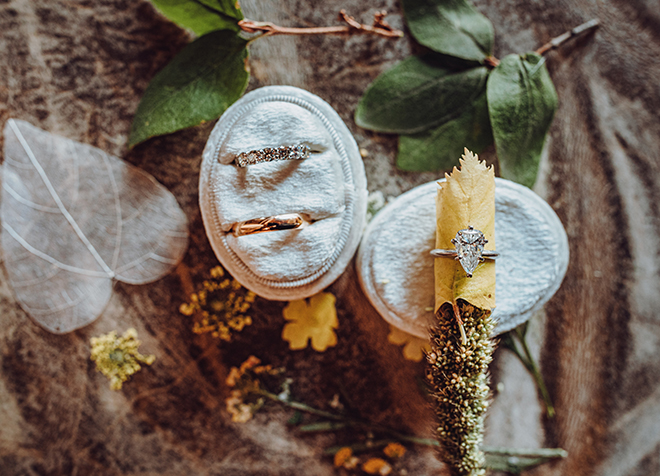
[{"x": 458, "y": 373}]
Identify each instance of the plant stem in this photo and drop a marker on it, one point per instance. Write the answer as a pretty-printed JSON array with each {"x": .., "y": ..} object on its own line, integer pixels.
[
  {"x": 380, "y": 27},
  {"x": 300, "y": 406},
  {"x": 509, "y": 459},
  {"x": 526, "y": 358},
  {"x": 563, "y": 38},
  {"x": 534, "y": 370}
]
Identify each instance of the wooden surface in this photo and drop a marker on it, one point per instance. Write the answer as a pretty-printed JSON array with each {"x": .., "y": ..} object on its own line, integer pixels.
[{"x": 78, "y": 68}]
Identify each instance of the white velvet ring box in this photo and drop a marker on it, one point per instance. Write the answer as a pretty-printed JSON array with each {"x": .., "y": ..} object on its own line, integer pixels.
[
  {"x": 395, "y": 268},
  {"x": 328, "y": 187}
]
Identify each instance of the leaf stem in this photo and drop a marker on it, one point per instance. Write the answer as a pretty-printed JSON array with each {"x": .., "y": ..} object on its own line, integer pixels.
[
  {"x": 563, "y": 38},
  {"x": 380, "y": 27}
]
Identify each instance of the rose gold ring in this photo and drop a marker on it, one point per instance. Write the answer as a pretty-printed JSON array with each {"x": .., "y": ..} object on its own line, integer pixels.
[{"x": 286, "y": 221}]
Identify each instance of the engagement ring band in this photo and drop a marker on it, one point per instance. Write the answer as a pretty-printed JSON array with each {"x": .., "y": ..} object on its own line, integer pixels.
[
  {"x": 469, "y": 250},
  {"x": 287, "y": 221},
  {"x": 269, "y": 154}
]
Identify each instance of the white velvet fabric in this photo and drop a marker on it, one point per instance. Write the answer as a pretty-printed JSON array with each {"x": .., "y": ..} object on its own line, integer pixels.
[
  {"x": 396, "y": 270},
  {"x": 329, "y": 188}
]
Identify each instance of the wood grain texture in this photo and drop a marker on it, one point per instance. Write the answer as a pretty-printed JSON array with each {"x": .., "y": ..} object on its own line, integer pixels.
[{"x": 79, "y": 67}]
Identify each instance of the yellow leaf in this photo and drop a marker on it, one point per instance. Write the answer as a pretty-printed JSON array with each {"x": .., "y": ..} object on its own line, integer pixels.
[
  {"x": 467, "y": 198},
  {"x": 315, "y": 320},
  {"x": 414, "y": 346}
]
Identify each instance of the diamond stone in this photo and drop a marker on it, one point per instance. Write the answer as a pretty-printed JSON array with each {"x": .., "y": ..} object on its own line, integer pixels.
[
  {"x": 469, "y": 245},
  {"x": 303, "y": 151}
]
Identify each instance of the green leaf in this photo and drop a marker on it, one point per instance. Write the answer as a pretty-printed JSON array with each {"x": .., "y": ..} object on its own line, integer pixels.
[
  {"x": 440, "y": 148},
  {"x": 202, "y": 16},
  {"x": 417, "y": 94},
  {"x": 451, "y": 27},
  {"x": 521, "y": 103},
  {"x": 203, "y": 80}
]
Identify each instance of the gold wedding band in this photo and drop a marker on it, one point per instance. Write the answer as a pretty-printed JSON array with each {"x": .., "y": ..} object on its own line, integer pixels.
[{"x": 286, "y": 221}]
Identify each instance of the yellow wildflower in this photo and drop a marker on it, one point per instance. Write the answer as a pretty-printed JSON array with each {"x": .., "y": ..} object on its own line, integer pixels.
[
  {"x": 342, "y": 456},
  {"x": 240, "y": 411},
  {"x": 344, "y": 459},
  {"x": 217, "y": 272},
  {"x": 377, "y": 466},
  {"x": 244, "y": 400},
  {"x": 394, "y": 450},
  {"x": 221, "y": 303},
  {"x": 315, "y": 320},
  {"x": 414, "y": 346},
  {"x": 118, "y": 358}
]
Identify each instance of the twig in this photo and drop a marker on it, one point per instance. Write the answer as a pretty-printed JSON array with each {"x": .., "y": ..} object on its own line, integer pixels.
[
  {"x": 561, "y": 39},
  {"x": 380, "y": 27}
]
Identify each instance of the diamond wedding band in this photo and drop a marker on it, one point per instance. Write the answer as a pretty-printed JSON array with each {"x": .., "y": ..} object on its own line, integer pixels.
[
  {"x": 469, "y": 250},
  {"x": 286, "y": 221},
  {"x": 270, "y": 154}
]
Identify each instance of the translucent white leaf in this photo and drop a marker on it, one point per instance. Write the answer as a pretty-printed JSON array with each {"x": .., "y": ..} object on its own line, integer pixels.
[{"x": 73, "y": 219}]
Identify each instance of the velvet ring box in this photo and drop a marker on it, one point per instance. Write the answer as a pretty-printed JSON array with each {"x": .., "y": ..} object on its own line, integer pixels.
[{"x": 328, "y": 188}]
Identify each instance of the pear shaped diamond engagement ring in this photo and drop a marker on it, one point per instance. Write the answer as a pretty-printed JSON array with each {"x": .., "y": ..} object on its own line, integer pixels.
[{"x": 469, "y": 250}]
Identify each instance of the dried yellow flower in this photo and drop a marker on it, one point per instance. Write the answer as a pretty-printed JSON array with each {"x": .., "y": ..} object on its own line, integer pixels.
[
  {"x": 377, "y": 466},
  {"x": 414, "y": 346},
  {"x": 117, "y": 357},
  {"x": 394, "y": 450},
  {"x": 315, "y": 320},
  {"x": 343, "y": 456},
  {"x": 221, "y": 305}
]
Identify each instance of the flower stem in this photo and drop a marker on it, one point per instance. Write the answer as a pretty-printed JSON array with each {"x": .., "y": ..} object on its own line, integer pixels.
[{"x": 380, "y": 27}]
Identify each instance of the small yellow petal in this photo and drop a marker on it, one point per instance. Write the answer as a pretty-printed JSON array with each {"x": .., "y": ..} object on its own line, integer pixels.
[
  {"x": 296, "y": 336},
  {"x": 394, "y": 450},
  {"x": 342, "y": 456},
  {"x": 377, "y": 466},
  {"x": 315, "y": 320}
]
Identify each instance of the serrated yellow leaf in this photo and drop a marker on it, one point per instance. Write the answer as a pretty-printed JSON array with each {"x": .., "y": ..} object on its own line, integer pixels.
[
  {"x": 314, "y": 320},
  {"x": 467, "y": 198}
]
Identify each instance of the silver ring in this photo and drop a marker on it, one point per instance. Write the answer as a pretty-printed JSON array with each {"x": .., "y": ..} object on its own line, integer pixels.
[
  {"x": 469, "y": 250},
  {"x": 286, "y": 221},
  {"x": 270, "y": 154}
]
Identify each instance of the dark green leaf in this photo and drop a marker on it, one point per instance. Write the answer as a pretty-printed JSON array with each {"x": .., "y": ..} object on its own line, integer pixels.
[
  {"x": 202, "y": 16},
  {"x": 203, "y": 80},
  {"x": 417, "y": 94},
  {"x": 521, "y": 102},
  {"x": 440, "y": 148},
  {"x": 451, "y": 27}
]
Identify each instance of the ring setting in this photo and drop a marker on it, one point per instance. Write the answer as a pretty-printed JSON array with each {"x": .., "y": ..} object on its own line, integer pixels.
[
  {"x": 286, "y": 221},
  {"x": 270, "y": 154},
  {"x": 469, "y": 244}
]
